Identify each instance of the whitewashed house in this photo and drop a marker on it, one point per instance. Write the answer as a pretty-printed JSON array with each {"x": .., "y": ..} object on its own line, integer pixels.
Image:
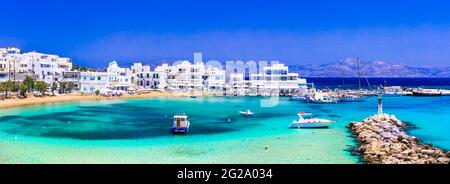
[
  {"x": 15, "y": 65},
  {"x": 93, "y": 81},
  {"x": 184, "y": 76},
  {"x": 276, "y": 79},
  {"x": 120, "y": 78},
  {"x": 237, "y": 86},
  {"x": 214, "y": 80}
]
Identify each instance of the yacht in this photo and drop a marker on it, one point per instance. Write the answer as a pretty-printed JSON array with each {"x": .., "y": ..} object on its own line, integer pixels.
[
  {"x": 180, "y": 124},
  {"x": 246, "y": 113},
  {"x": 426, "y": 92},
  {"x": 306, "y": 120}
]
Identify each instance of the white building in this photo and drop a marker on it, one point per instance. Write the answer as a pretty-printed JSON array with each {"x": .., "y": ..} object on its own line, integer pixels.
[
  {"x": 15, "y": 65},
  {"x": 214, "y": 80},
  {"x": 115, "y": 78},
  {"x": 276, "y": 79},
  {"x": 143, "y": 77},
  {"x": 72, "y": 77},
  {"x": 93, "y": 81},
  {"x": 185, "y": 76},
  {"x": 237, "y": 86},
  {"x": 122, "y": 76}
]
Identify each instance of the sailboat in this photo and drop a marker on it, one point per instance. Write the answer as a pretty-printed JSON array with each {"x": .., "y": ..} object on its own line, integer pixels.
[{"x": 358, "y": 97}]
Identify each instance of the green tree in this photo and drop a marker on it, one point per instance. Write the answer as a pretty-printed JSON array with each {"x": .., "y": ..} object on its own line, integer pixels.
[
  {"x": 8, "y": 86},
  {"x": 71, "y": 86},
  {"x": 53, "y": 87},
  {"x": 23, "y": 88},
  {"x": 29, "y": 81},
  {"x": 41, "y": 86},
  {"x": 75, "y": 67},
  {"x": 62, "y": 87},
  {"x": 97, "y": 92},
  {"x": 3, "y": 88},
  {"x": 14, "y": 86}
]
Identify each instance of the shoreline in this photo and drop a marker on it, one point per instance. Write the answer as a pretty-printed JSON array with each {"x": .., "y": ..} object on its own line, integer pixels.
[
  {"x": 31, "y": 100},
  {"x": 383, "y": 139}
]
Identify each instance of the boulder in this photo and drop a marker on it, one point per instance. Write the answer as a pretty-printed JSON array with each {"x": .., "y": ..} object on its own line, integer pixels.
[{"x": 443, "y": 160}]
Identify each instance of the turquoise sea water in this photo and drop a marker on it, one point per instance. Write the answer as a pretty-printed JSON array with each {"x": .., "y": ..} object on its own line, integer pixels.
[{"x": 137, "y": 131}]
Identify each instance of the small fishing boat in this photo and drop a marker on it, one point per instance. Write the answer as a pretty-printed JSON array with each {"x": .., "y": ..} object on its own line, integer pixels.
[
  {"x": 193, "y": 96},
  {"x": 180, "y": 124},
  {"x": 306, "y": 120},
  {"x": 246, "y": 113},
  {"x": 426, "y": 92}
]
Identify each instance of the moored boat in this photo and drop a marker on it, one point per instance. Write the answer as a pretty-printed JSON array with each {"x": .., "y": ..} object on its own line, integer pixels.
[
  {"x": 306, "y": 120},
  {"x": 445, "y": 92},
  {"x": 351, "y": 98},
  {"x": 426, "y": 92},
  {"x": 246, "y": 113},
  {"x": 392, "y": 91},
  {"x": 180, "y": 124},
  {"x": 297, "y": 98},
  {"x": 320, "y": 98}
]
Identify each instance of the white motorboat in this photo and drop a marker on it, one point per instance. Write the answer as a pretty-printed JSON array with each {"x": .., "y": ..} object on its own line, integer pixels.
[
  {"x": 306, "y": 120},
  {"x": 246, "y": 113}
]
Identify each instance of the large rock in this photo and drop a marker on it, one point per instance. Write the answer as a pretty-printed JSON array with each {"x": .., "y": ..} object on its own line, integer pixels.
[{"x": 443, "y": 160}]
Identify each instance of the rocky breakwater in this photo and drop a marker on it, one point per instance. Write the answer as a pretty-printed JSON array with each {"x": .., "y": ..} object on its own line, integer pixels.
[{"x": 383, "y": 140}]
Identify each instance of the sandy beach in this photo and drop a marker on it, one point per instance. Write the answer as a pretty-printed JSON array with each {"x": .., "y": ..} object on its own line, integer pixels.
[{"x": 31, "y": 100}]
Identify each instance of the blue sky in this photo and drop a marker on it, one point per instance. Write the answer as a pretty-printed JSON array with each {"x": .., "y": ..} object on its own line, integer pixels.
[{"x": 294, "y": 32}]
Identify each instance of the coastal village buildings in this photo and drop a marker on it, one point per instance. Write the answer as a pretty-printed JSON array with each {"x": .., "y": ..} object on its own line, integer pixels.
[
  {"x": 186, "y": 77},
  {"x": 276, "y": 78},
  {"x": 15, "y": 65},
  {"x": 90, "y": 82},
  {"x": 182, "y": 76},
  {"x": 214, "y": 80}
]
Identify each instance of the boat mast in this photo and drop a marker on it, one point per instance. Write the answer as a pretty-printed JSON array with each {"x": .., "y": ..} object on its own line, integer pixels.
[{"x": 359, "y": 74}]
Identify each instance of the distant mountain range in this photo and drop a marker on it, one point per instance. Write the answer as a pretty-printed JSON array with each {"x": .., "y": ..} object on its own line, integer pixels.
[{"x": 349, "y": 68}]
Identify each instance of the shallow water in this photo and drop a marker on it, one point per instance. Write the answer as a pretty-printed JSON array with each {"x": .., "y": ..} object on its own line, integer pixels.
[{"x": 137, "y": 131}]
